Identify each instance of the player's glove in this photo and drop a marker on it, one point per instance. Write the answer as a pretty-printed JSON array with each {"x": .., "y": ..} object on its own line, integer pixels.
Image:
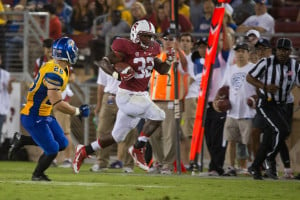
[
  {"x": 84, "y": 110},
  {"x": 127, "y": 74},
  {"x": 170, "y": 56}
]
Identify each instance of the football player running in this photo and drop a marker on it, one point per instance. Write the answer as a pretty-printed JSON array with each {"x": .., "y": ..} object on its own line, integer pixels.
[
  {"x": 132, "y": 96},
  {"x": 43, "y": 95}
]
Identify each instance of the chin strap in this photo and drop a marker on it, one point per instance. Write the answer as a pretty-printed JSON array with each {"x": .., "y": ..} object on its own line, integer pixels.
[{"x": 144, "y": 46}]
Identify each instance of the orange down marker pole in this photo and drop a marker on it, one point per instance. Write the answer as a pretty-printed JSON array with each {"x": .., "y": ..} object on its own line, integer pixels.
[{"x": 198, "y": 131}]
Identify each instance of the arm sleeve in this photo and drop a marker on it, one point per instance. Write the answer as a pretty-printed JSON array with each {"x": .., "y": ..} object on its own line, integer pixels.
[
  {"x": 247, "y": 21},
  {"x": 102, "y": 77},
  {"x": 268, "y": 24},
  {"x": 120, "y": 45},
  {"x": 54, "y": 79},
  {"x": 258, "y": 70}
]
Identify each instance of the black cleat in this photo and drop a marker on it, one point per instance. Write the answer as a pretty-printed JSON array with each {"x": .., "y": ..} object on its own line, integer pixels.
[
  {"x": 41, "y": 177},
  {"x": 271, "y": 171},
  {"x": 256, "y": 173},
  {"x": 194, "y": 167},
  {"x": 15, "y": 146},
  {"x": 271, "y": 174}
]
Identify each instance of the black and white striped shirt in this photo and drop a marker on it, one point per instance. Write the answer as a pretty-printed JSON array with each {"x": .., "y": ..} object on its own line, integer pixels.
[{"x": 270, "y": 71}]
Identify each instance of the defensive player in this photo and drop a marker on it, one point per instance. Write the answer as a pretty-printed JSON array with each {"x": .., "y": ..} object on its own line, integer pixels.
[
  {"x": 132, "y": 97},
  {"x": 43, "y": 95}
]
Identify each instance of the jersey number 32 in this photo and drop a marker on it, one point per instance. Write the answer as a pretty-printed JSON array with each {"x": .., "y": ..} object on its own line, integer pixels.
[{"x": 145, "y": 66}]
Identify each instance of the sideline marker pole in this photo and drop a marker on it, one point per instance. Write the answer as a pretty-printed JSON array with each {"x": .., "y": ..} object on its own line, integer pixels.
[{"x": 198, "y": 131}]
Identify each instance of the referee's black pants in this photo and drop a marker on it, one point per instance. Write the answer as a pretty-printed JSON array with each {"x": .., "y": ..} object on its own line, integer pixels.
[
  {"x": 284, "y": 151},
  {"x": 274, "y": 134},
  {"x": 214, "y": 125}
]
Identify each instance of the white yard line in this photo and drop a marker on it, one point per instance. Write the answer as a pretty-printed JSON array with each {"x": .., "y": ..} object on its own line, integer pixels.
[{"x": 84, "y": 184}]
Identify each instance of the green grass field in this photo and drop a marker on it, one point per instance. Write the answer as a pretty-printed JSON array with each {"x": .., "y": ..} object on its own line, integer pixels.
[{"x": 16, "y": 184}]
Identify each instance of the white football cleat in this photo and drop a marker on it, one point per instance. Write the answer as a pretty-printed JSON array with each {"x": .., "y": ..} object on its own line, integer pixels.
[
  {"x": 138, "y": 157},
  {"x": 80, "y": 155}
]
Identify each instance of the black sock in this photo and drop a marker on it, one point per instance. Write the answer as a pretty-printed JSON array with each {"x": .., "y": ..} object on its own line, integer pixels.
[
  {"x": 148, "y": 152},
  {"x": 27, "y": 140},
  {"x": 285, "y": 156},
  {"x": 89, "y": 149},
  {"x": 139, "y": 144},
  {"x": 43, "y": 164}
]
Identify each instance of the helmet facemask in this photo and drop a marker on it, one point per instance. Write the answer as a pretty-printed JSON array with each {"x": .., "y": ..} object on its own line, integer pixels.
[{"x": 146, "y": 40}]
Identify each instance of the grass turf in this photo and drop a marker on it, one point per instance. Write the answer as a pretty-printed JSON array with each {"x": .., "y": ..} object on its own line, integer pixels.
[{"x": 16, "y": 184}]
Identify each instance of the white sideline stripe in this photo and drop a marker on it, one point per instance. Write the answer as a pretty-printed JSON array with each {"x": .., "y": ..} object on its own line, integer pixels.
[{"x": 84, "y": 184}]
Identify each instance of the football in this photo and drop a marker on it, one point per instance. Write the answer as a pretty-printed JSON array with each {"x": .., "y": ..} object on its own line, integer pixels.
[
  {"x": 223, "y": 92},
  {"x": 221, "y": 102},
  {"x": 222, "y": 105},
  {"x": 251, "y": 101},
  {"x": 120, "y": 66}
]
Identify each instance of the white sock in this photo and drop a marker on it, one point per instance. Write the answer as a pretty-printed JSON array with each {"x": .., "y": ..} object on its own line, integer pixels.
[
  {"x": 143, "y": 138},
  {"x": 95, "y": 145}
]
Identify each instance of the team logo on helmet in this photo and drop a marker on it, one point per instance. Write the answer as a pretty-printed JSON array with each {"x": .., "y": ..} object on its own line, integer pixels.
[{"x": 65, "y": 49}]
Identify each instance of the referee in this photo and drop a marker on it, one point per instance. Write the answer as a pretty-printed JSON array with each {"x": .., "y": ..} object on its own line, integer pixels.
[{"x": 275, "y": 77}]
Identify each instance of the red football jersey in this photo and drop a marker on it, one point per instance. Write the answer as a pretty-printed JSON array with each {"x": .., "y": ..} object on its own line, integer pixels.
[{"x": 141, "y": 60}]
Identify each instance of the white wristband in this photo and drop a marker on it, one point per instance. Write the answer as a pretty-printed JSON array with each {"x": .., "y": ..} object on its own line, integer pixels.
[
  {"x": 169, "y": 62},
  {"x": 115, "y": 75},
  {"x": 77, "y": 111}
]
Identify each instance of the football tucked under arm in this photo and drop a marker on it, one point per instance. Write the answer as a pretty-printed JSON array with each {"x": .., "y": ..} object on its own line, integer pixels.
[
  {"x": 251, "y": 101},
  {"x": 107, "y": 62},
  {"x": 221, "y": 102},
  {"x": 123, "y": 71}
]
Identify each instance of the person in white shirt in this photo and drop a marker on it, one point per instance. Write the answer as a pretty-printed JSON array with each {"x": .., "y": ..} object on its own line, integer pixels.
[
  {"x": 252, "y": 36},
  {"x": 191, "y": 98},
  {"x": 238, "y": 124},
  {"x": 261, "y": 21},
  {"x": 5, "y": 90},
  {"x": 214, "y": 121}
]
